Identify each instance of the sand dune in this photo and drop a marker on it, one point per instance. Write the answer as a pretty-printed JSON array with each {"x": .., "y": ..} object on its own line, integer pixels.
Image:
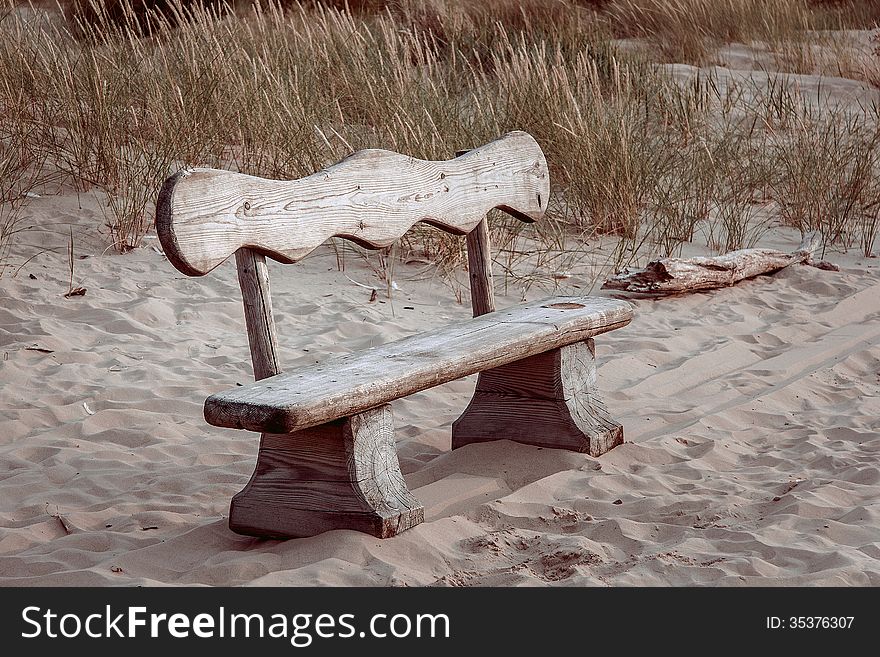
[{"x": 752, "y": 418}]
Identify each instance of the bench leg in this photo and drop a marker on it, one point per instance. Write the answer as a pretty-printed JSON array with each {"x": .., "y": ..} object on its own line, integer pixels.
[
  {"x": 340, "y": 475},
  {"x": 550, "y": 400}
]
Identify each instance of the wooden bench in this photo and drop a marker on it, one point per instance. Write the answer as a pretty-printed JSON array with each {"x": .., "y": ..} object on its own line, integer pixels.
[{"x": 327, "y": 457}]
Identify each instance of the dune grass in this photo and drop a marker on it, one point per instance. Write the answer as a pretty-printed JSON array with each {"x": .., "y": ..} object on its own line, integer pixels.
[
  {"x": 112, "y": 102},
  {"x": 691, "y": 30}
]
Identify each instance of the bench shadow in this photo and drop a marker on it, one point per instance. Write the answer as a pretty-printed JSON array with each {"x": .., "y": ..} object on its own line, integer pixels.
[{"x": 459, "y": 481}]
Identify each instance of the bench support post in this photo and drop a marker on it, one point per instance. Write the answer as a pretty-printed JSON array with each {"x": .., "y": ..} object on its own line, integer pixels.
[
  {"x": 340, "y": 475},
  {"x": 550, "y": 400},
  {"x": 253, "y": 277}
]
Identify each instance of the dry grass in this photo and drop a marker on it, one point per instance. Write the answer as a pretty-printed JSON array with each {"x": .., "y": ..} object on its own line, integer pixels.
[
  {"x": 115, "y": 101},
  {"x": 23, "y": 167},
  {"x": 829, "y": 179},
  {"x": 692, "y": 30},
  {"x": 687, "y": 30}
]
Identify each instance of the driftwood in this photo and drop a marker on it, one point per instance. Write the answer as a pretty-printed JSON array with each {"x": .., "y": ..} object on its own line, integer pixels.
[{"x": 671, "y": 275}]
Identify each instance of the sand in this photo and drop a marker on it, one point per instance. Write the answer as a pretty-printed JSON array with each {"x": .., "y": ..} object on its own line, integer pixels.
[
  {"x": 751, "y": 415},
  {"x": 751, "y": 418}
]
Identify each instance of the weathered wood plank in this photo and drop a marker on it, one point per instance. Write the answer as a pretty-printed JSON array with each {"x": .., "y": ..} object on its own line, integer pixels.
[
  {"x": 672, "y": 275},
  {"x": 345, "y": 385},
  {"x": 479, "y": 252},
  {"x": 549, "y": 399},
  {"x": 340, "y": 475},
  {"x": 372, "y": 197},
  {"x": 253, "y": 277}
]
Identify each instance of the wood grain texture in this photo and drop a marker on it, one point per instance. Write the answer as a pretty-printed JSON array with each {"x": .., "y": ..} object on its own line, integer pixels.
[
  {"x": 253, "y": 277},
  {"x": 345, "y": 385},
  {"x": 372, "y": 197},
  {"x": 673, "y": 275},
  {"x": 549, "y": 400},
  {"x": 340, "y": 475},
  {"x": 580, "y": 389},
  {"x": 479, "y": 252}
]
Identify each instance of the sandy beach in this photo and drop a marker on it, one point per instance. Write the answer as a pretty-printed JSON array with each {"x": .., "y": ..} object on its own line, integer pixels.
[{"x": 750, "y": 414}]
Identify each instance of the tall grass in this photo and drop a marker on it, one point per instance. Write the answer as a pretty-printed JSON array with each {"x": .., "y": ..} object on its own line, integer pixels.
[
  {"x": 686, "y": 30},
  {"x": 22, "y": 166},
  {"x": 829, "y": 179},
  {"x": 691, "y": 31},
  {"x": 117, "y": 100}
]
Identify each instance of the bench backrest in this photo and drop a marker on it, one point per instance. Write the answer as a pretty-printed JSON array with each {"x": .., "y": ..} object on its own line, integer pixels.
[{"x": 203, "y": 216}]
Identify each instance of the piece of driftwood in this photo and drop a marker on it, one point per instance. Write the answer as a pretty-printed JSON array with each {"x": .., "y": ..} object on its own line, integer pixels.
[
  {"x": 327, "y": 457},
  {"x": 671, "y": 275},
  {"x": 349, "y": 384},
  {"x": 371, "y": 197}
]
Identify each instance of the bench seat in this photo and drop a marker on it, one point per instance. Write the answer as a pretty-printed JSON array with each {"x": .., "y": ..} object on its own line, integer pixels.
[{"x": 343, "y": 386}]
